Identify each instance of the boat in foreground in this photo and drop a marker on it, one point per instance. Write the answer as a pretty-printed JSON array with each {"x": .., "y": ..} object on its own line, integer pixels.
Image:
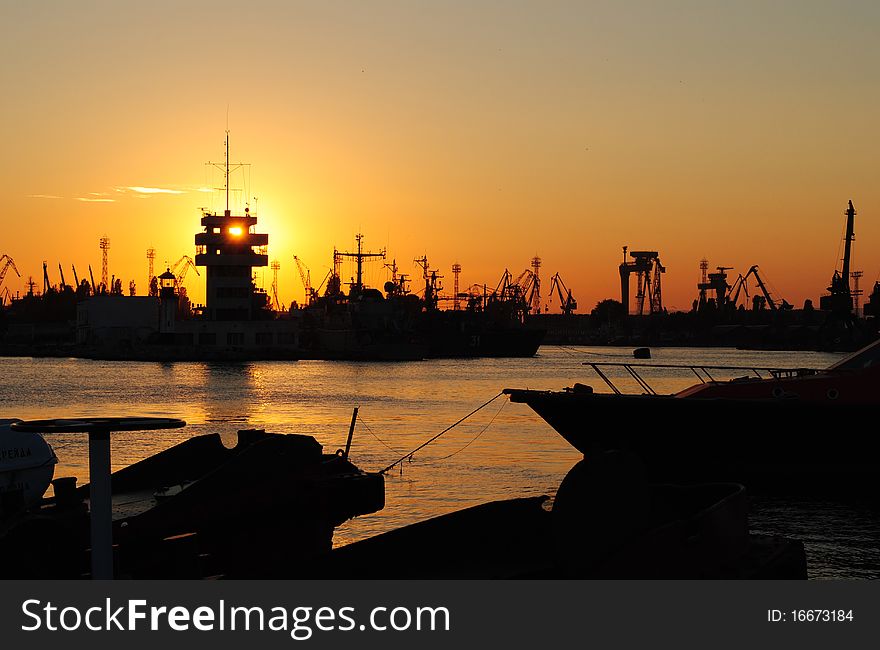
[
  {"x": 194, "y": 510},
  {"x": 796, "y": 429}
]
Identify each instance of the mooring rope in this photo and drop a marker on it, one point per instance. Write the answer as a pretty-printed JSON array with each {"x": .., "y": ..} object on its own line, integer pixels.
[
  {"x": 571, "y": 350},
  {"x": 430, "y": 440},
  {"x": 361, "y": 420},
  {"x": 476, "y": 437}
]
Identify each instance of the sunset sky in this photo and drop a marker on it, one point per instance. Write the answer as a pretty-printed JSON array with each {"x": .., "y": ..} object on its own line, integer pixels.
[{"x": 482, "y": 133}]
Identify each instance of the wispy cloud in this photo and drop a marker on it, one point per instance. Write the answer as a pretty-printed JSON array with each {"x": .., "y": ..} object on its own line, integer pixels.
[
  {"x": 90, "y": 199},
  {"x": 152, "y": 190},
  {"x": 43, "y": 196}
]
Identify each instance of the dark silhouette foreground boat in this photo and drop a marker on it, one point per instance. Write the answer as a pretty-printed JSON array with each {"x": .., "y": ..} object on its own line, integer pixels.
[
  {"x": 195, "y": 510},
  {"x": 796, "y": 429},
  {"x": 601, "y": 525}
]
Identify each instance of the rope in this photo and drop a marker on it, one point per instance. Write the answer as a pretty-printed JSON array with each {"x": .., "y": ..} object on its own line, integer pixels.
[
  {"x": 474, "y": 439},
  {"x": 370, "y": 431},
  {"x": 570, "y": 350},
  {"x": 430, "y": 440}
]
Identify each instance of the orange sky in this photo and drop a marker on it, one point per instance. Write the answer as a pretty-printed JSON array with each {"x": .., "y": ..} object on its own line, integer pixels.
[{"x": 483, "y": 133}]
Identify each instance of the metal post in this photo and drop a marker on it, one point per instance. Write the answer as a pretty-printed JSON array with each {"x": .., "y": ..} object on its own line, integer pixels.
[
  {"x": 354, "y": 417},
  {"x": 100, "y": 509}
]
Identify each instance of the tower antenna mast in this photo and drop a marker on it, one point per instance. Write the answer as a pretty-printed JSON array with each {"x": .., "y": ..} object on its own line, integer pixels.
[
  {"x": 227, "y": 170},
  {"x": 227, "y": 164}
]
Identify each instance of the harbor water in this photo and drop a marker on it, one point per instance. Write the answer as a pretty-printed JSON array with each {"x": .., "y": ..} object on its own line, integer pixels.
[{"x": 503, "y": 451}]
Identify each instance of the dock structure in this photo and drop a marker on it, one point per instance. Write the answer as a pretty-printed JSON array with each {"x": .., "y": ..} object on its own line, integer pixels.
[{"x": 647, "y": 267}]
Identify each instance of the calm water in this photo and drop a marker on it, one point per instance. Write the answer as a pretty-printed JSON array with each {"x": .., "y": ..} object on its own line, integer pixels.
[{"x": 504, "y": 451}]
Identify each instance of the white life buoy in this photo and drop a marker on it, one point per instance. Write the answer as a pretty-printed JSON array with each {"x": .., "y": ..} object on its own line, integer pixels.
[{"x": 27, "y": 463}]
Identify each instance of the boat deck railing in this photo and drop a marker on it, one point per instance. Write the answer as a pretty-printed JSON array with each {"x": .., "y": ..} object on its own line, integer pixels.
[{"x": 701, "y": 371}]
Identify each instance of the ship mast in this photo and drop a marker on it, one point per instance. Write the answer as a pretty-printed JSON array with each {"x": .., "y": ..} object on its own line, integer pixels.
[
  {"x": 227, "y": 168},
  {"x": 359, "y": 256},
  {"x": 227, "y": 173}
]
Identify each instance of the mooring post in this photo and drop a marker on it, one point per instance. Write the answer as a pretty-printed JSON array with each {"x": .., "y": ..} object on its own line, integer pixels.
[
  {"x": 100, "y": 508},
  {"x": 354, "y": 417}
]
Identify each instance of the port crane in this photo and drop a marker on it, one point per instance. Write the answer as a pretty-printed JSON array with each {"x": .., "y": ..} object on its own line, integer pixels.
[
  {"x": 567, "y": 303},
  {"x": 275, "y": 266},
  {"x": 770, "y": 302},
  {"x": 647, "y": 267},
  {"x": 739, "y": 286},
  {"x": 306, "y": 277},
  {"x": 503, "y": 287},
  {"x": 6, "y": 263},
  {"x": 94, "y": 286},
  {"x": 46, "y": 285},
  {"x": 839, "y": 299},
  {"x": 529, "y": 288},
  {"x": 323, "y": 282},
  {"x": 180, "y": 268}
]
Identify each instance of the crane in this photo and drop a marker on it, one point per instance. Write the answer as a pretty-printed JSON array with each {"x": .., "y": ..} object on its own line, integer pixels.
[
  {"x": 75, "y": 277},
  {"x": 529, "y": 288},
  {"x": 738, "y": 286},
  {"x": 306, "y": 277},
  {"x": 276, "y": 266},
  {"x": 5, "y": 264},
  {"x": 773, "y": 306},
  {"x": 61, "y": 271},
  {"x": 502, "y": 287},
  {"x": 327, "y": 277},
  {"x": 94, "y": 286},
  {"x": 647, "y": 267},
  {"x": 180, "y": 268},
  {"x": 567, "y": 303}
]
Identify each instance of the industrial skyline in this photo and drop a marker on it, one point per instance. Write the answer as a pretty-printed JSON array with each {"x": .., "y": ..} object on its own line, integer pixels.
[{"x": 481, "y": 135}]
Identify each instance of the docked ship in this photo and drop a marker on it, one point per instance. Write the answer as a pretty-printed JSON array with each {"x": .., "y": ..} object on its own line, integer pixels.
[
  {"x": 492, "y": 324},
  {"x": 361, "y": 324},
  {"x": 364, "y": 324},
  {"x": 796, "y": 430}
]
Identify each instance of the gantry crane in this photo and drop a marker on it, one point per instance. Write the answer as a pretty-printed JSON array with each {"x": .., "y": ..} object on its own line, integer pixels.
[
  {"x": 647, "y": 267},
  {"x": 567, "y": 303}
]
